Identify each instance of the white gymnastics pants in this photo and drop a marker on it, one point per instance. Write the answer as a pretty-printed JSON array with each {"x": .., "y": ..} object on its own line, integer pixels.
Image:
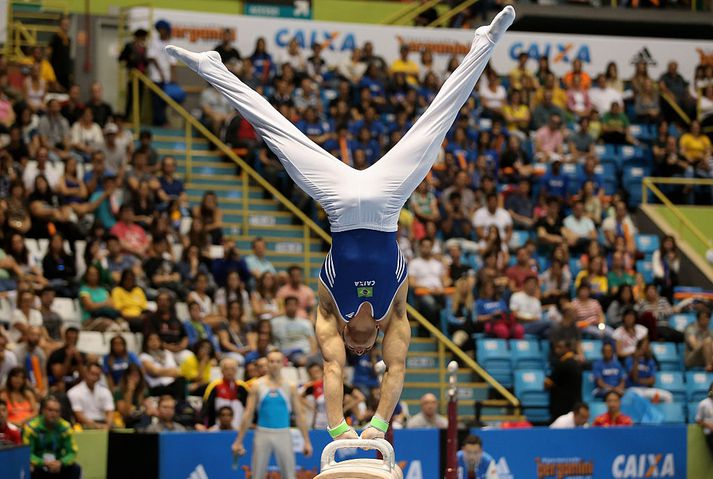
[{"x": 352, "y": 199}]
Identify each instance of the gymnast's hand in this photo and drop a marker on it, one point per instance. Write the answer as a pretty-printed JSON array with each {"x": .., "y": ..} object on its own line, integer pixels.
[
  {"x": 350, "y": 434},
  {"x": 371, "y": 433}
]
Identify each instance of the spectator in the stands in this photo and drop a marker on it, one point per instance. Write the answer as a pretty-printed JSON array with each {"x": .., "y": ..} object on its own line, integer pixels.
[
  {"x": 672, "y": 83},
  {"x": 666, "y": 264},
  {"x": 33, "y": 359},
  {"x": 577, "y": 72},
  {"x": 130, "y": 395},
  {"x": 654, "y": 311},
  {"x": 9, "y": 433},
  {"x": 191, "y": 265},
  {"x": 493, "y": 96},
  {"x": 229, "y": 55},
  {"x": 162, "y": 372},
  {"x": 172, "y": 333},
  {"x": 257, "y": 263},
  {"x": 594, "y": 274},
  {"x": 234, "y": 290},
  {"x": 548, "y": 102},
  {"x": 60, "y": 54},
  {"x": 166, "y": 417},
  {"x": 549, "y": 227},
  {"x": 44, "y": 167},
  {"x": 566, "y": 330},
  {"x": 423, "y": 203},
  {"x": 579, "y": 229},
  {"x": 428, "y": 417},
  {"x": 613, "y": 416},
  {"x": 647, "y": 103},
  {"x": 641, "y": 369},
  {"x": 24, "y": 316},
  {"x": 461, "y": 315},
  {"x": 555, "y": 282},
  {"x": 628, "y": 335},
  {"x": 54, "y": 132},
  {"x": 618, "y": 275},
  {"x": 602, "y": 95},
  {"x": 212, "y": 217},
  {"x": 264, "y": 302},
  {"x": 59, "y": 268},
  {"x": 53, "y": 450},
  {"x": 162, "y": 68},
  {"x": 590, "y": 317},
  {"x": 406, "y": 66},
  {"x": 231, "y": 261},
  {"x": 526, "y": 307},
  {"x": 549, "y": 140},
  {"x": 35, "y": 88},
  {"x": 215, "y": 108},
  {"x": 116, "y": 153},
  {"x": 294, "y": 334},
  {"x": 609, "y": 375},
  {"x": 73, "y": 107},
  {"x": 492, "y": 215},
  {"x": 578, "y": 102},
  {"x": 171, "y": 186},
  {"x": 428, "y": 278},
  {"x": 615, "y": 127},
  {"x": 226, "y": 392},
  {"x": 235, "y": 336},
  {"x": 117, "y": 361},
  {"x": 521, "y": 270},
  {"x": 98, "y": 311},
  {"x": 161, "y": 271},
  {"x": 295, "y": 287},
  {"x": 118, "y": 262},
  {"x": 70, "y": 187},
  {"x": 19, "y": 397},
  {"x": 577, "y": 417},
  {"x": 199, "y": 295},
  {"x": 695, "y": 145},
  {"x": 132, "y": 237},
  {"x": 8, "y": 360},
  {"x": 86, "y": 135},
  {"x": 704, "y": 417},
  {"x": 67, "y": 364},
  {"x": 101, "y": 110},
  {"x": 699, "y": 342},
  {"x": 130, "y": 300},
  {"x": 196, "y": 327},
  {"x": 564, "y": 381},
  {"x": 473, "y": 461},
  {"x": 620, "y": 224},
  {"x": 623, "y": 301},
  {"x": 92, "y": 402},
  {"x": 197, "y": 366},
  {"x": 492, "y": 310}
]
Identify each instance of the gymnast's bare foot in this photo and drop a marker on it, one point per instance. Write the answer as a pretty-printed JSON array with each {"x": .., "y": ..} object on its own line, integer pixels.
[
  {"x": 499, "y": 25},
  {"x": 191, "y": 59}
]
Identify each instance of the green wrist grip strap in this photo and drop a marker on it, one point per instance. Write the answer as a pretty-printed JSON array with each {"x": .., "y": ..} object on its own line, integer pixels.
[
  {"x": 379, "y": 424},
  {"x": 339, "y": 430}
]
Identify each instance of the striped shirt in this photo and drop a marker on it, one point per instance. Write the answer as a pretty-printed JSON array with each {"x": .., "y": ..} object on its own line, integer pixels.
[{"x": 587, "y": 312}]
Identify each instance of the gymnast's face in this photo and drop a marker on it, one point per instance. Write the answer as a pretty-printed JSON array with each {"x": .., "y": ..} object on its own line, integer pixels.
[{"x": 360, "y": 341}]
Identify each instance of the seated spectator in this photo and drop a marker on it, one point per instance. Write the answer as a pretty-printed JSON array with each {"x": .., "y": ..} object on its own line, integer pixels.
[
  {"x": 493, "y": 312},
  {"x": 295, "y": 287},
  {"x": 647, "y": 105},
  {"x": 589, "y": 314},
  {"x": 132, "y": 237},
  {"x": 567, "y": 331},
  {"x": 23, "y": 263},
  {"x": 224, "y": 420},
  {"x": 602, "y": 95},
  {"x": 578, "y": 102},
  {"x": 117, "y": 361},
  {"x": 59, "y": 268},
  {"x": 70, "y": 188},
  {"x": 595, "y": 275},
  {"x": 236, "y": 338},
  {"x": 579, "y": 229},
  {"x": 98, "y": 311},
  {"x": 628, "y": 335},
  {"x": 623, "y": 301},
  {"x": 666, "y": 264},
  {"x": 165, "y": 417},
  {"x": 227, "y": 392},
  {"x": 118, "y": 262},
  {"x": 86, "y": 136},
  {"x": 699, "y": 342},
  {"x": 294, "y": 334},
  {"x": 197, "y": 367},
  {"x": 191, "y": 265},
  {"x": 521, "y": 270},
  {"x": 613, "y": 416},
  {"x": 53, "y": 450},
  {"x": 257, "y": 263},
  {"x": 428, "y": 417},
  {"x": 552, "y": 102},
  {"x": 458, "y": 268},
  {"x": 196, "y": 327},
  {"x": 161, "y": 271},
  {"x": 577, "y": 417},
  {"x": 549, "y": 228},
  {"x": 526, "y": 308},
  {"x": 162, "y": 373},
  {"x": 423, "y": 203},
  {"x": 615, "y": 127},
  {"x": 704, "y": 417},
  {"x": 618, "y": 276},
  {"x": 555, "y": 282},
  {"x": 549, "y": 140},
  {"x": 92, "y": 402},
  {"x": 609, "y": 375},
  {"x": 520, "y": 207},
  {"x": 654, "y": 311},
  {"x": 264, "y": 303},
  {"x": 564, "y": 381},
  {"x": 231, "y": 261},
  {"x": 9, "y": 433},
  {"x": 215, "y": 109},
  {"x": 33, "y": 358},
  {"x": 54, "y": 132},
  {"x": 25, "y": 316},
  {"x": 47, "y": 215},
  {"x": 695, "y": 145},
  {"x": 116, "y": 152},
  {"x": 8, "y": 360},
  {"x": 592, "y": 202},
  {"x": 620, "y": 224},
  {"x": 19, "y": 397},
  {"x": 517, "y": 115},
  {"x": 462, "y": 323},
  {"x": 234, "y": 290},
  {"x": 171, "y": 187},
  {"x": 200, "y": 296},
  {"x": 493, "y": 244},
  {"x": 35, "y": 89},
  {"x": 641, "y": 367},
  {"x": 170, "y": 329},
  {"x": 130, "y": 395},
  {"x": 263, "y": 345},
  {"x": 493, "y": 215},
  {"x": 67, "y": 364},
  {"x": 427, "y": 278},
  {"x": 584, "y": 79},
  {"x": 17, "y": 214},
  {"x": 130, "y": 300},
  {"x": 101, "y": 110},
  {"x": 211, "y": 215}
]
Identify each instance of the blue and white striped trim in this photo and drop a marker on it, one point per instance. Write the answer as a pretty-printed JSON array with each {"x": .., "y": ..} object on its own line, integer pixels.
[
  {"x": 329, "y": 269},
  {"x": 400, "y": 266}
]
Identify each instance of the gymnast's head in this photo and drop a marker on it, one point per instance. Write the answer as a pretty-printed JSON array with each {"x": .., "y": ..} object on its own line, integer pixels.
[{"x": 360, "y": 332}]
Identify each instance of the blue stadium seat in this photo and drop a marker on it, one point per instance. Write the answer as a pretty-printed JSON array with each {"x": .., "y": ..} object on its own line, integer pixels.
[
  {"x": 680, "y": 321},
  {"x": 587, "y": 385},
  {"x": 646, "y": 268},
  {"x": 692, "y": 410},
  {"x": 596, "y": 409},
  {"x": 672, "y": 381},
  {"x": 494, "y": 356},
  {"x": 545, "y": 348},
  {"x": 530, "y": 390},
  {"x": 697, "y": 384},
  {"x": 526, "y": 354},
  {"x": 518, "y": 239},
  {"x": 672, "y": 412},
  {"x": 575, "y": 266},
  {"x": 667, "y": 356},
  {"x": 592, "y": 349},
  {"x": 647, "y": 244}
]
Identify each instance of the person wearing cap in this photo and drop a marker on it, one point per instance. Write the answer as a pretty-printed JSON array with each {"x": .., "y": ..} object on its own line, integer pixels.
[
  {"x": 115, "y": 154},
  {"x": 134, "y": 56},
  {"x": 162, "y": 68}
]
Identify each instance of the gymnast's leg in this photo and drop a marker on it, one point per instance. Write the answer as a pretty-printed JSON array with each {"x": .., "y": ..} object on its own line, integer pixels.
[
  {"x": 314, "y": 170},
  {"x": 404, "y": 167}
]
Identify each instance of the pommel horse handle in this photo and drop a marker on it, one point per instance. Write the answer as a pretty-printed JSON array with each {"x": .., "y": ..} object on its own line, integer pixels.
[{"x": 381, "y": 445}]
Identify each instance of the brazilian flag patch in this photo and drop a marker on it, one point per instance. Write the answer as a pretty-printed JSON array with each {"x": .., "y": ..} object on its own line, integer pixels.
[{"x": 365, "y": 291}]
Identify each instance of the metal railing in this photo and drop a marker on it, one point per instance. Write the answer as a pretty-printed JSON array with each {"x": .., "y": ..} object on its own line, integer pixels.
[
  {"x": 450, "y": 13},
  {"x": 125, "y": 34},
  {"x": 192, "y": 125},
  {"x": 406, "y": 15},
  {"x": 21, "y": 29}
]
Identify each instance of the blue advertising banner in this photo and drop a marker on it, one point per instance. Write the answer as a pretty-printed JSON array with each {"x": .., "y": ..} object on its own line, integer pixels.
[
  {"x": 593, "y": 453},
  {"x": 200, "y": 455},
  {"x": 15, "y": 462}
]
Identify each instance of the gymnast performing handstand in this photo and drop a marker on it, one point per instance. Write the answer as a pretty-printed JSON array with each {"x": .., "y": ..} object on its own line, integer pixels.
[{"x": 363, "y": 287}]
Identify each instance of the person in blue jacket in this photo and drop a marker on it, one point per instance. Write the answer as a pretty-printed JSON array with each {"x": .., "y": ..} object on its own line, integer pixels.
[{"x": 473, "y": 462}]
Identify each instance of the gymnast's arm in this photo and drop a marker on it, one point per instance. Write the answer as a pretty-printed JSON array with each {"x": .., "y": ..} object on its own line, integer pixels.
[
  {"x": 335, "y": 357},
  {"x": 395, "y": 348}
]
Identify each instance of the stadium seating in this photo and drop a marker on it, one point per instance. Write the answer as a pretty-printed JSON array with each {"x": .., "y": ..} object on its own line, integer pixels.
[
  {"x": 673, "y": 382},
  {"x": 530, "y": 389},
  {"x": 697, "y": 384},
  {"x": 673, "y": 413},
  {"x": 592, "y": 349},
  {"x": 526, "y": 354},
  {"x": 667, "y": 356},
  {"x": 680, "y": 321},
  {"x": 494, "y": 356}
]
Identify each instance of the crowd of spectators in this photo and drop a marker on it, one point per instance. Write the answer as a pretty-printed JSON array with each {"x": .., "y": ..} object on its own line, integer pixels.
[{"x": 124, "y": 239}]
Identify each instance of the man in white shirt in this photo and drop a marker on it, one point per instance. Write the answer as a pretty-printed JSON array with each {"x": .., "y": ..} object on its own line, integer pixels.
[
  {"x": 92, "y": 403},
  {"x": 578, "y": 417},
  {"x": 216, "y": 109},
  {"x": 579, "y": 229},
  {"x": 43, "y": 166},
  {"x": 428, "y": 418},
  {"x": 602, "y": 96},
  {"x": 527, "y": 308},
  {"x": 492, "y": 215},
  {"x": 704, "y": 417},
  {"x": 620, "y": 224},
  {"x": 162, "y": 68},
  {"x": 427, "y": 278}
]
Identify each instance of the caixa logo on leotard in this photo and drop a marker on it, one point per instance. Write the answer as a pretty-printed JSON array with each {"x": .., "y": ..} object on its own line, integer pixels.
[{"x": 365, "y": 289}]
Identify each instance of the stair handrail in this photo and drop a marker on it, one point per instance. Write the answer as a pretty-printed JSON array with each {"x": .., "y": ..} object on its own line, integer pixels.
[
  {"x": 409, "y": 13},
  {"x": 137, "y": 76},
  {"x": 450, "y": 13}
]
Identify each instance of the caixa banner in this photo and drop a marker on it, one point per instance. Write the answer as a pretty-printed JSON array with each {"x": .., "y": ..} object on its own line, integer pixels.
[
  {"x": 593, "y": 453},
  {"x": 200, "y": 455}
]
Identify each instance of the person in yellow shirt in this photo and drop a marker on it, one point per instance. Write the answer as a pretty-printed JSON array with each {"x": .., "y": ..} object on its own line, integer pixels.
[
  {"x": 595, "y": 276},
  {"x": 129, "y": 299},
  {"x": 46, "y": 71},
  {"x": 516, "y": 113},
  {"x": 520, "y": 71},
  {"x": 559, "y": 96},
  {"x": 404, "y": 65},
  {"x": 694, "y": 145}
]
